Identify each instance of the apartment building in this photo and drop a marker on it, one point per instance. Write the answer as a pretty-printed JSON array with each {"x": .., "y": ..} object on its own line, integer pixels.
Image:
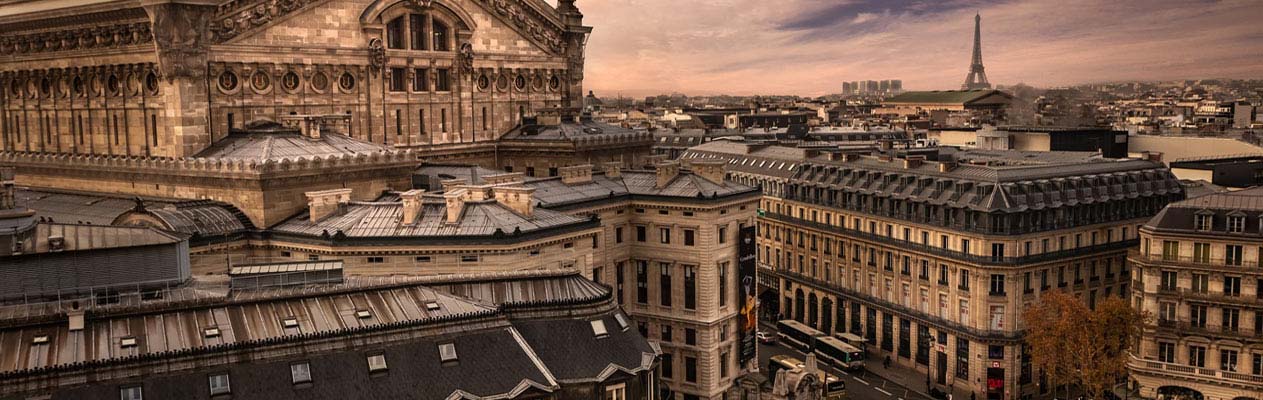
[
  {"x": 1197, "y": 271},
  {"x": 933, "y": 257}
]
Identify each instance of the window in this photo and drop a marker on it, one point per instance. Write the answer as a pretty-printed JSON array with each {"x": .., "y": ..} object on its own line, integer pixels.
[
  {"x": 666, "y": 369},
  {"x": 218, "y": 384},
  {"x": 441, "y": 37},
  {"x": 1232, "y": 254},
  {"x": 469, "y": 258},
  {"x": 640, "y": 234},
  {"x": 1236, "y": 224},
  {"x": 1203, "y": 222},
  {"x": 376, "y": 260},
  {"x": 1232, "y": 286},
  {"x": 1197, "y": 356},
  {"x": 690, "y": 287},
  {"x": 962, "y": 358},
  {"x": 616, "y": 392},
  {"x": 997, "y": 284},
  {"x": 723, "y": 364},
  {"x": 416, "y": 26},
  {"x": 964, "y": 279},
  {"x": 1169, "y": 279},
  {"x": 376, "y": 362},
  {"x": 1228, "y": 360},
  {"x": 300, "y": 372},
  {"x": 618, "y": 234},
  {"x": 1170, "y": 250},
  {"x": 723, "y": 282},
  {"x": 397, "y": 79},
  {"x": 690, "y": 369},
  {"x": 422, "y": 259},
  {"x": 664, "y": 235},
  {"x": 664, "y": 284},
  {"x": 690, "y": 336},
  {"x": 131, "y": 393},
  {"x": 421, "y": 81},
  {"x": 1201, "y": 283},
  {"x": 447, "y": 352},
  {"x": 642, "y": 285},
  {"x": 1256, "y": 364},
  {"x": 1197, "y": 315},
  {"x": 1166, "y": 352},
  {"x": 394, "y": 33},
  {"x": 442, "y": 80},
  {"x": 688, "y": 237},
  {"x": 723, "y": 235},
  {"x": 666, "y": 333}
]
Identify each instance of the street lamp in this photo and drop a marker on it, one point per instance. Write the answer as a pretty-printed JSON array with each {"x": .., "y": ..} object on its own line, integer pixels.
[{"x": 929, "y": 359}]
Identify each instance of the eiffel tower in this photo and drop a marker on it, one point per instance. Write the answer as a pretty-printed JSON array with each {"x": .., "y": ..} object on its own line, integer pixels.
[{"x": 977, "y": 78}]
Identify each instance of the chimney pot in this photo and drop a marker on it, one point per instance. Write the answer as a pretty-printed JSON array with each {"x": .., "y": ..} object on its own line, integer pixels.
[
  {"x": 666, "y": 172},
  {"x": 412, "y": 207},
  {"x": 321, "y": 204},
  {"x": 519, "y": 199},
  {"x": 613, "y": 170},
  {"x": 576, "y": 174},
  {"x": 455, "y": 203}
]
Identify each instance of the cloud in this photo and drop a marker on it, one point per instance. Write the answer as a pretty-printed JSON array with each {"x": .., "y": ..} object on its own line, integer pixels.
[{"x": 809, "y": 47}]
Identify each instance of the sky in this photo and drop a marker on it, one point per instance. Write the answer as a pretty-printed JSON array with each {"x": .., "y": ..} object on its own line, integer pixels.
[{"x": 809, "y": 47}]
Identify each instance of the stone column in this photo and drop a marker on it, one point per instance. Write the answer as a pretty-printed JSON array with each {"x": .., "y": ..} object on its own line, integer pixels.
[
  {"x": 576, "y": 41},
  {"x": 182, "y": 43}
]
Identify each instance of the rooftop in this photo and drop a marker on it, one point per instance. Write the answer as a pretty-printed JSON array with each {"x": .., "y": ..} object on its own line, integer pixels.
[
  {"x": 553, "y": 192},
  {"x": 385, "y": 220},
  {"x": 944, "y": 96},
  {"x": 270, "y": 141}
]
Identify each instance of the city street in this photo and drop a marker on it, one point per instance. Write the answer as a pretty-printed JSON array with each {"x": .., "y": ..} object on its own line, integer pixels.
[{"x": 859, "y": 385}]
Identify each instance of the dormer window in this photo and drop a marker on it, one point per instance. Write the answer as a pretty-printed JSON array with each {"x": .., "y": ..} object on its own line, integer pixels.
[
  {"x": 447, "y": 352},
  {"x": 1203, "y": 221},
  {"x": 1236, "y": 223},
  {"x": 598, "y": 328},
  {"x": 622, "y": 321}
]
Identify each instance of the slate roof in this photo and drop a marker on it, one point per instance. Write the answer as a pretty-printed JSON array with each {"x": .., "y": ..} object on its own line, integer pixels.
[
  {"x": 287, "y": 144},
  {"x": 499, "y": 350},
  {"x": 568, "y": 130},
  {"x": 942, "y": 96},
  {"x": 383, "y": 219},
  {"x": 552, "y": 192},
  {"x": 1181, "y": 216}
]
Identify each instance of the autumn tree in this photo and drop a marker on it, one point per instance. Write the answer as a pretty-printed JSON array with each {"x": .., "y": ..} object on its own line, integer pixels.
[{"x": 1078, "y": 346}]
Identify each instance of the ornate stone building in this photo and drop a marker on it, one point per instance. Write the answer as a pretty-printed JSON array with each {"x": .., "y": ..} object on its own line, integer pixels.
[
  {"x": 932, "y": 257},
  {"x": 1197, "y": 271}
]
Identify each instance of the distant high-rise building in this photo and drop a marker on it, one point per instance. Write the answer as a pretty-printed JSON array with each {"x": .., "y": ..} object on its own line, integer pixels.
[
  {"x": 977, "y": 78},
  {"x": 896, "y": 85},
  {"x": 884, "y": 86},
  {"x": 847, "y": 88}
]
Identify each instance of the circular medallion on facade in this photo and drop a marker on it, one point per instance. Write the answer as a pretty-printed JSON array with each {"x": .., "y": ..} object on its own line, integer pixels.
[
  {"x": 151, "y": 83},
  {"x": 537, "y": 84},
  {"x": 320, "y": 81},
  {"x": 227, "y": 81},
  {"x": 346, "y": 82},
  {"x": 113, "y": 86},
  {"x": 483, "y": 83},
  {"x": 261, "y": 81},
  {"x": 502, "y": 83},
  {"x": 519, "y": 83},
  {"x": 290, "y": 81},
  {"x": 15, "y": 87},
  {"x": 554, "y": 83},
  {"x": 45, "y": 88},
  {"x": 77, "y": 87}
]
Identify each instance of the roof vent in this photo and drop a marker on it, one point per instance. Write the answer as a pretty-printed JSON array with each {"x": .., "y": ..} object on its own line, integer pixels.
[
  {"x": 432, "y": 305},
  {"x": 127, "y": 342},
  {"x": 290, "y": 322},
  {"x": 211, "y": 332},
  {"x": 364, "y": 314},
  {"x": 40, "y": 339}
]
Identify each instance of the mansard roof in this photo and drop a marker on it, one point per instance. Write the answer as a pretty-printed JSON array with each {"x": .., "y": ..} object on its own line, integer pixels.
[
  {"x": 504, "y": 345},
  {"x": 1182, "y": 215},
  {"x": 383, "y": 219},
  {"x": 686, "y": 186}
]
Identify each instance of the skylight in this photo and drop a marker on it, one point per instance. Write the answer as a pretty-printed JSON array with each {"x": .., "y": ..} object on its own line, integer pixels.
[
  {"x": 622, "y": 321},
  {"x": 598, "y": 328},
  {"x": 447, "y": 352}
]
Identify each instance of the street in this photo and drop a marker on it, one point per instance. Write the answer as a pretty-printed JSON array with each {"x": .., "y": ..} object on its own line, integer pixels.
[{"x": 859, "y": 385}]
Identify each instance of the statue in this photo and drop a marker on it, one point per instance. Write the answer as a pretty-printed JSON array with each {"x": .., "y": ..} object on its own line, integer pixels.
[
  {"x": 467, "y": 57},
  {"x": 376, "y": 54}
]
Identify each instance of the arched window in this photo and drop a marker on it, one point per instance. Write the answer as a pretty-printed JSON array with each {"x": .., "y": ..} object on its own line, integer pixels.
[
  {"x": 416, "y": 25},
  {"x": 441, "y": 36},
  {"x": 394, "y": 33}
]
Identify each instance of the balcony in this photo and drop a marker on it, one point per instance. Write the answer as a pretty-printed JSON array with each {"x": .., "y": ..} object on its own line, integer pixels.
[
  {"x": 1137, "y": 364},
  {"x": 1182, "y": 327},
  {"x": 957, "y": 255},
  {"x": 1194, "y": 262},
  {"x": 1219, "y": 298}
]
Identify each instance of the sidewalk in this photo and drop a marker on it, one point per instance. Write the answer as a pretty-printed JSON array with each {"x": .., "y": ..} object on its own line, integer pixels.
[{"x": 904, "y": 375}]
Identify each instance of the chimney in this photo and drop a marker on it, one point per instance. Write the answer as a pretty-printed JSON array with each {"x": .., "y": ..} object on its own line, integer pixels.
[
  {"x": 500, "y": 179},
  {"x": 613, "y": 170},
  {"x": 324, "y": 203},
  {"x": 451, "y": 184},
  {"x": 911, "y": 162},
  {"x": 476, "y": 193},
  {"x": 519, "y": 199},
  {"x": 455, "y": 203},
  {"x": 713, "y": 170},
  {"x": 666, "y": 172},
  {"x": 411, "y": 206},
  {"x": 946, "y": 166},
  {"x": 576, "y": 174}
]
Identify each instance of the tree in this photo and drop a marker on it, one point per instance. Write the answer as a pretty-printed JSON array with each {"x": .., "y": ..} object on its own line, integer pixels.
[{"x": 1076, "y": 345}]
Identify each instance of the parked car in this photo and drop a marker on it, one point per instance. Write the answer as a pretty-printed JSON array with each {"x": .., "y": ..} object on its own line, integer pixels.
[{"x": 765, "y": 337}]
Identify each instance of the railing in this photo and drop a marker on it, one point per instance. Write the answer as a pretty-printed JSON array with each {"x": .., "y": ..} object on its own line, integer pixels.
[
  {"x": 1194, "y": 261},
  {"x": 1202, "y": 373},
  {"x": 904, "y": 311},
  {"x": 957, "y": 255},
  {"x": 1188, "y": 328}
]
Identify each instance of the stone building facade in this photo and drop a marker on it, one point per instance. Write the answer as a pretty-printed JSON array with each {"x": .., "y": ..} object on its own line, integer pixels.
[
  {"x": 932, "y": 262},
  {"x": 1197, "y": 272}
]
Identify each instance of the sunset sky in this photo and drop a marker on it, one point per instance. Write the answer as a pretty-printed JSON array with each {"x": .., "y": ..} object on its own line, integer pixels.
[{"x": 809, "y": 47}]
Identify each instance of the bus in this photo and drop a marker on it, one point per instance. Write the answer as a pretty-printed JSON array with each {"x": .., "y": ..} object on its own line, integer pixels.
[
  {"x": 839, "y": 354},
  {"x": 779, "y": 362},
  {"x": 797, "y": 335},
  {"x": 853, "y": 340}
]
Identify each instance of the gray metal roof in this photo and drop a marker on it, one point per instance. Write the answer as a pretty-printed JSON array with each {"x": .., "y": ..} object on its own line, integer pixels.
[
  {"x": 291, "y": 145},
  {"x": 553, "y": 192},
  {"x": 198, "y": 216},
  {"x": 570, "y": 130},
  {"x": 384, "y": 219},
  {"x": 282, "y": 267},
  {"x": 95, "y": 237}
]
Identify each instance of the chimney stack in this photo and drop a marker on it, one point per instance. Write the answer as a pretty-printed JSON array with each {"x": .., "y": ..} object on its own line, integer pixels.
[
  {"x": 911, "y": 162},
  {"x": 714, "y": 170},
  {"x": 412, "y": 207},
  {"x": 576, "y": 174},
  {"x": 519, "y": 199},
  {"x": 451, "y": 184},
  {"x": 324, "y": 203},
  {"x": 455, "y": 200},
  {"x": 508, "y": 177},
  {"x": 946, "y": 166},
  {"x": 666, "y": 172},
  {"x": 613, "y": 170}
]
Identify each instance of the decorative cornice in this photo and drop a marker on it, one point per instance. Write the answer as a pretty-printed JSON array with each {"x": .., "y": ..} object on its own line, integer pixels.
[
  {"x": 238, "y": 16},
  {"x": 83, "y": 38},
  {"x": 211, "y": 166},
  {"x": 530, "y": 22}
]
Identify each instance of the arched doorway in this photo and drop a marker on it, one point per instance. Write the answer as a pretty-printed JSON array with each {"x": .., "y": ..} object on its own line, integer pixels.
[
  {"x": 826, "y": 315},
  {"x": 1178, "y": 393},
  {"x": 813, "y": 310},
  {"x": 799, "y": 299}
]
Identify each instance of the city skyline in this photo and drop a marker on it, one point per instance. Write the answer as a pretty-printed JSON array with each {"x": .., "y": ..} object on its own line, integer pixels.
[{"x": 809, "y": 47}]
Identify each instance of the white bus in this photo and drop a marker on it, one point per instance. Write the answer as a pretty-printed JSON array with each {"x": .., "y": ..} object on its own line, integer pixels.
[
  {"x": 853, "y": 340},
  {"x": 797, "y": 335},
  {"x": 839, "y": 354}
]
